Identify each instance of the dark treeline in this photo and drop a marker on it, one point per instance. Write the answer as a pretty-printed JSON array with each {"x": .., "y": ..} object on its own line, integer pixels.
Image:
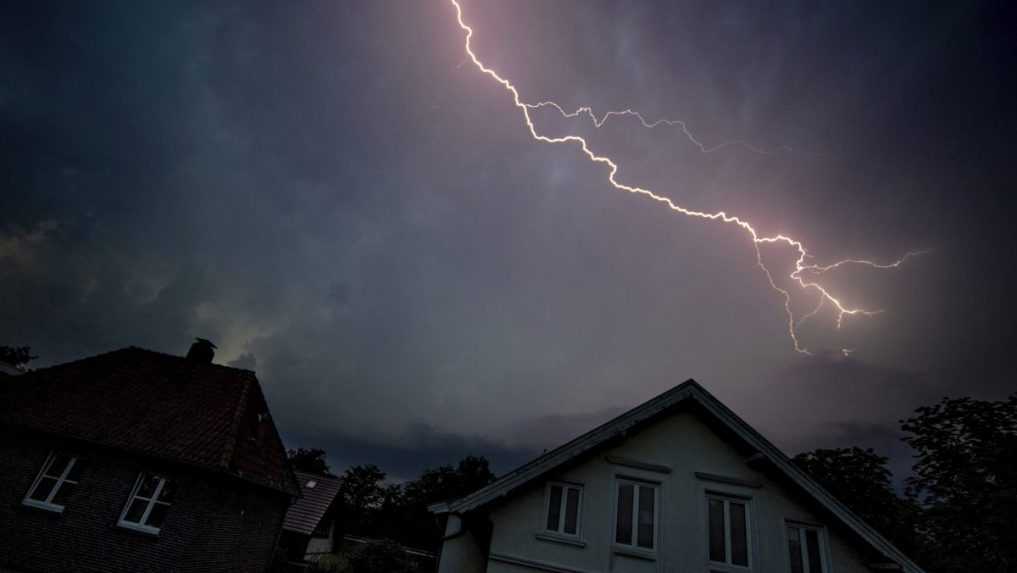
[{"x": 375, "y": 509}]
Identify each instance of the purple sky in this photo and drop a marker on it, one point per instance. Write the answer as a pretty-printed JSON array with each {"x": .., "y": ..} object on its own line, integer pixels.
[{"x": 342, "y": 203}]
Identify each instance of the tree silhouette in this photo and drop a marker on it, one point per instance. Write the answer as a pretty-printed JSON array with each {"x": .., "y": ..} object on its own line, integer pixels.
[
  {"x": 861, "y": 480},
  {"x": 310, "y": 460},
  {"x": 966, "y": 481},
  {"x": 17, "y": 356}
]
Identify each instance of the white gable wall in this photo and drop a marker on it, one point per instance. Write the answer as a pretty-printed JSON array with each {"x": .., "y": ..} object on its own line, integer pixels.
[{"x": 686, "y": 445}]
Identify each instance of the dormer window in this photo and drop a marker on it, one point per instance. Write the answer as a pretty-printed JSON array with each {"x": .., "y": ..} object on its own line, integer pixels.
[
  {"x": 55, "y": 483},
  {"x": 148, "y": 504}
]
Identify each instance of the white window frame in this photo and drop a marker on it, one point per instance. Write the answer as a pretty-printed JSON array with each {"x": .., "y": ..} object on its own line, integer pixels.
[
  {"x": 152, "y": 501},
  {"x": 634, "y": 545},
  {"x": 565, "y": 487},
  {"x": 727, "y": 565},
  {"x": 824, "y": 544},
  {"x": 62, "y": 479}
]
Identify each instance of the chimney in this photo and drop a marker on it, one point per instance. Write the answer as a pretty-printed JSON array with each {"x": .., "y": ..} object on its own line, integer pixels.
[{"x": 202, "y": 350}]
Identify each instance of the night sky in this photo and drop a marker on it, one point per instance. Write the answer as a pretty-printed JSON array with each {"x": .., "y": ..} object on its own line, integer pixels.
[{"x": 339, "y": 199}]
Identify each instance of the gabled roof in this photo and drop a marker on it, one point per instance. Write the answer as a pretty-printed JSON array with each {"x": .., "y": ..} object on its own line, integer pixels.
[
  {"x": 317, "y": 494},
  {"x": 166, "y": 407},
  {"x": 638, "y": 417}
]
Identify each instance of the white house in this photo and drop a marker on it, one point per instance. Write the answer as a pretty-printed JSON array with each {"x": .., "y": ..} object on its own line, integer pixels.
[{"x": 678, "y": 484}]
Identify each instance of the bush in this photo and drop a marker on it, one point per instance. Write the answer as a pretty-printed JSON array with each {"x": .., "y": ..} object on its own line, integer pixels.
[
  {"x": 380, "y": 557},
  {"x": 329, "y": 564}
]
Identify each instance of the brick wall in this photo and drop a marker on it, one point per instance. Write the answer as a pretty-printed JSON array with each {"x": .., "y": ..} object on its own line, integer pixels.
[{"x": 216, "y": 523}]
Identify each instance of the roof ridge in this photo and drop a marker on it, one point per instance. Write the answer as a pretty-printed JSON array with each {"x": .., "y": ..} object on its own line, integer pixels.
[
  {"x": 178, "y": 357},
  {"x": 77, "y": 361},
  {"x": 129, "y": 348}
]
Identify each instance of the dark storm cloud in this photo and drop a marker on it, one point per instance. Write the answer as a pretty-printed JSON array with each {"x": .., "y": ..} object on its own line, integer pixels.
[
  {"x": 420, "y": 447},
  {"x": 330, "y": 195}
]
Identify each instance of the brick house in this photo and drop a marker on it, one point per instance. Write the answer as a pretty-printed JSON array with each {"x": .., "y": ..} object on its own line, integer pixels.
[{"x": 136, "y": 460}]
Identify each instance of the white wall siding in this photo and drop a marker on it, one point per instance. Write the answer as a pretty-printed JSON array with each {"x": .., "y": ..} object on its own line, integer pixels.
[
  {"x": 461, "y": 552},
  {"x": 685, "y": 445},
  {"x": 318, "y": 545}
]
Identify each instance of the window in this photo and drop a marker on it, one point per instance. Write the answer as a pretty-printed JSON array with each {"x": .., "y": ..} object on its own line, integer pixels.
[
  {"x": 148, "y": 504},
  {"x": 805, "y": 549},
  {"x": 55, "y": 483},
  {"x": 728, "y": 531},
  {"x": 563, "y": 506},
  {"x": 636, "y": 517}
]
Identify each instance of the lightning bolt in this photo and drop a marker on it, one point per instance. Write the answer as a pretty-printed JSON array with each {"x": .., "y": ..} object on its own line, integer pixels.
[
  {"x": 599, "y": 122},
  {"x": 801, "y": 267}
]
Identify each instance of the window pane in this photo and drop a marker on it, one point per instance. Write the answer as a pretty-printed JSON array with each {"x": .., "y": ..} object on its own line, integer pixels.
[
  {"x": 63, "y": 493},
  {"x": 148, "y": 485},
  {"x": 554, "y": 508},
  {"x": 739, "y": 539},
  {"x": 623, "y": 521},
  {"x": 571, "y": 511},
  {"x": 168, "y": 489},
  {"x": 136, "y": 510},
  {"x": 76, "y": 469},
  {"x": 56, "y": 469},
  {"x": 41, "y": 491},
  {"x": 158, "y": 515},
  {"x": 717, "y": 552},
  {"x": 794, "y": 548},
  {"x": 646, "y": 508},
  {"x": 812, "y": 547}
]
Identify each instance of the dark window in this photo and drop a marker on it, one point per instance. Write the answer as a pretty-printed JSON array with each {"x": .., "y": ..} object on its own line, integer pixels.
[
  {"x": 623, "y": 529},
  {"x": 794, "y": 546},
  {"x": 554, "y": 508},
  {"x": 805, "y": 549},
  {"x": 55, "y": 483},
  {"x": 717, "y": 551},
  {"x": 728, "y": 529},
  {"x": 812, "y": 544},
  {"x": 148, "y": 504},
  {"x": 572, "y": 511},
  {"x": 647, "y": 501},
  {"x": 563, "y": 507},
  {"x": 636, "y": 515},
  {"x": 739, "y": 535}
]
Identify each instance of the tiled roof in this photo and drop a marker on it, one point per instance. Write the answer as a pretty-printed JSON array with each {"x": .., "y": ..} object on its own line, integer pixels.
[
  {"x": 167, "y": 407},
  {"x": 315, "y": 500}
]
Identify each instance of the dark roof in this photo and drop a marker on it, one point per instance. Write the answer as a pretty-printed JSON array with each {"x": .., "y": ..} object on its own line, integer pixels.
[
  {"x": 166, "y": 407},
  {"x": 315, "y": 501},
  {"x": 625, "y": 425}
]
